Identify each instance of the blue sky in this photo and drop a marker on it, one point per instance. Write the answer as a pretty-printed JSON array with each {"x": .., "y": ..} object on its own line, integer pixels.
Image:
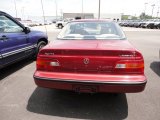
[{"x": 33, "y": 7}]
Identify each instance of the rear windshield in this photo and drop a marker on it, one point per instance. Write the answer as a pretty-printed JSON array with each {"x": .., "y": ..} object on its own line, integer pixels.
[{"x": 91, "y": 30}]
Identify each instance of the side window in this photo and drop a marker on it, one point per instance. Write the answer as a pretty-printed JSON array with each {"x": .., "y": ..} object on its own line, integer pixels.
[{"x": 8, "y": 26}]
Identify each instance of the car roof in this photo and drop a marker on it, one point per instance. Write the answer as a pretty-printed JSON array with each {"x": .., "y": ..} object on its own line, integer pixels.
[
  {"x": 92, "y": 20},
  {"x": 1, "y": 12}
]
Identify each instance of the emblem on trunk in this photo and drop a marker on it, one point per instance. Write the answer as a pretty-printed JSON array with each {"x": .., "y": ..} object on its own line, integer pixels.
[{"x": 86, "y": 60}]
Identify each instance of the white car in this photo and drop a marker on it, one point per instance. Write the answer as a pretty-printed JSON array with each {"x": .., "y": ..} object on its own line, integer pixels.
[{"x": 61, "y": 23}]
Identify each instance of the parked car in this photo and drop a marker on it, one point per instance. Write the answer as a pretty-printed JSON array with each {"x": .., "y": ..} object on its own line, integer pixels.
[
  {"x": 47, "y": 23},
  {"x": 54, "y": 20},
  {"x": 137, "y": 23},
  {"x": 29, "y": 23},
  {"x": 121, "y": 23},
  {"x": 91, "y": 56},
  {"x": 157, "y": 24},
  {"x": 61, "y": 23},
  {"x": 17, "y": 41},
  {"x": 131, "y": 23},
  {"x": 126, "y": 24},
  {"x": 148, "y": 24}
]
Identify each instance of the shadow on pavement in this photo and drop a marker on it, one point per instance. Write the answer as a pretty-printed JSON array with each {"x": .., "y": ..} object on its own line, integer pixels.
[
  {"x": 73, "y": 105},
  {"x": 155, "y": 66},
  {"x": 6, "y": 71}
]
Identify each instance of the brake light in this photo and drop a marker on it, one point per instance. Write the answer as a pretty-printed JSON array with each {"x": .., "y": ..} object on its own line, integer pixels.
[
  {"x": 130, "y": 65},
  {"x": 133, "y": 66},
  {"x": 45, "y": 64}
]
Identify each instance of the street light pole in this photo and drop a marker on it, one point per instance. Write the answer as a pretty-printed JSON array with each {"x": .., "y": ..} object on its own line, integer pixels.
[
  {"x": 22, "y": 12},
  {"x": 44, "y": 19},
  {"x": 145, "y": 7},
  {"x": 56, "y": 8},
  {"x": 99, "y": 10},
  {"x": 82, "y": 6},
  {"x": 43, "y": 11},
  {"x": 158, "y": 12},
  {"x": 152, "y": 9},
  {"x": 15, "y": 7},
  {"x": 61, "y": 14}
]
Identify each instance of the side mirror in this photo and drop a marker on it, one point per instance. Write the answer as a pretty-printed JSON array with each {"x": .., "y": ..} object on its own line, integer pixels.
[{"x": 27, "y": 30}]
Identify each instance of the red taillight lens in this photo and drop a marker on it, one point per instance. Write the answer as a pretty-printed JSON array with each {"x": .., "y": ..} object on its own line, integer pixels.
[
  {"x": 127, "y": 66},
  {"x": 46, "y": 64}
]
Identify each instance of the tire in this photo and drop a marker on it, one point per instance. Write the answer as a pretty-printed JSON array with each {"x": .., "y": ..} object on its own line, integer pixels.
[
  {"x": 151, "y": 27},
  {"x": 60, "y": 26},
  {"x": 40, "y": 45}
]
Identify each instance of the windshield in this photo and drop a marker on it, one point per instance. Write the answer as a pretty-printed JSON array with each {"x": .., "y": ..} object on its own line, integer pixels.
[{"x": 91, "y": 30}]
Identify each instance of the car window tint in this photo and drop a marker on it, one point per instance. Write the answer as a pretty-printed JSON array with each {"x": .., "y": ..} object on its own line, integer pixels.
[
  {"x": 91, "y": 30},
  {"x": 8, "y": 26}
]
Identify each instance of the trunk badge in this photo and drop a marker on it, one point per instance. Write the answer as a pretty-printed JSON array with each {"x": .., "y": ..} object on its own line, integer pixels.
[{"x": 86, "y": 61}]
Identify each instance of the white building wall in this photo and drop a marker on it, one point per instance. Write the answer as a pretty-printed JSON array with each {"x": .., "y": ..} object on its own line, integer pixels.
[{"x": 109, "y": 16}]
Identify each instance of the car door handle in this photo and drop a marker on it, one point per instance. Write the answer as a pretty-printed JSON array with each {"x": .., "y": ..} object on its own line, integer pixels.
[{"x": 3, "y": 37}]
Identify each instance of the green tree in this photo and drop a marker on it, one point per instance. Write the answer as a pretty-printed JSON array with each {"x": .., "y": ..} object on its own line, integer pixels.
[{"x": 144, "y": 16}]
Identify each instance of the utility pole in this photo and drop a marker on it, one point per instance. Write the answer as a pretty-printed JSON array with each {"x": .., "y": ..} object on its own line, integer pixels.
[
  {"x": 158, "y": 12},
  {"x": 82, "y": 16},
  {"x": 56, "y": 8},
  {"x": 99, "y": 10},
  {"x": 82, "y": 6},
  {"x": 44, "y": 20},
  {"x": 61, "y": 13},
  {"x": 152, "y": 9},
  {"x": 43, "y": 11},
  {"x": 22, "y": 12},
  {"x": 145, "y": 7},
  {"x": 15, "y": 7}
]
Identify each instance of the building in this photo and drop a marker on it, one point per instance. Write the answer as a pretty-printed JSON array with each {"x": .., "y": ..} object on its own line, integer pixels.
[
  {"x": 79, "y": 15},
  {"x": 115, "y": 16}
]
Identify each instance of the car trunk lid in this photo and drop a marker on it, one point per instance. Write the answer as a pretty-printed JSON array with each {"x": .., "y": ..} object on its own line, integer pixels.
[{"x": 97, "y": 57}]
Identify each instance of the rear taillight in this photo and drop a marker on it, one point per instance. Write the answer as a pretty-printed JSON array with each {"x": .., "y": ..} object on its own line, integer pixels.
[
  {"x": 130, "y": 66},
  {"x": 46, "y": 64}
]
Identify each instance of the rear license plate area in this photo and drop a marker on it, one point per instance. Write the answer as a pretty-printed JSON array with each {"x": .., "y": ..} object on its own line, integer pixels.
[{"x": 85, "y": 88}]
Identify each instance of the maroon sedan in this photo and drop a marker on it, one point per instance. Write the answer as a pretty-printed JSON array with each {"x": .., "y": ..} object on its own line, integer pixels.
[{"x": 91, "y": 56}]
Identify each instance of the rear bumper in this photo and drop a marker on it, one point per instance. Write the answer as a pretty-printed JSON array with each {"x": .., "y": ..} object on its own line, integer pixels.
[{"x": 102, "y": 83}]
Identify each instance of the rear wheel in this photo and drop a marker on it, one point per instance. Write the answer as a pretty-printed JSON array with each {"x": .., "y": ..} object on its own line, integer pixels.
[
  {"x": 152, "y": 27},
  {"x": 60, "y": 26},
  {"x": 41, "y": 44}
]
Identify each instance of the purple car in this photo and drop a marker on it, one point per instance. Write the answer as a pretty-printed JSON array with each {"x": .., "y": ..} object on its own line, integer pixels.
[{"x": 17, "y": 41}]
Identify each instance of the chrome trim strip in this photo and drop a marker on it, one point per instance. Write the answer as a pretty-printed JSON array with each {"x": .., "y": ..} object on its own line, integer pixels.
[
  {"x": 35, "y": 45},
  {"x": 18, "y": 51},
  {"x": 90, "y": 81}
]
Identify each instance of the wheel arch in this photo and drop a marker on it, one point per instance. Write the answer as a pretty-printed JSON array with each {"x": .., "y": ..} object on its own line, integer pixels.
[
  {"x": 42, "y": 39},
  {"x": 60, "y": 24}
]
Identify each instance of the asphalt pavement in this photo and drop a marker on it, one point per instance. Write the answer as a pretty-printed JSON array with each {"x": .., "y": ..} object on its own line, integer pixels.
[{"x": 21, "y": 99}]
